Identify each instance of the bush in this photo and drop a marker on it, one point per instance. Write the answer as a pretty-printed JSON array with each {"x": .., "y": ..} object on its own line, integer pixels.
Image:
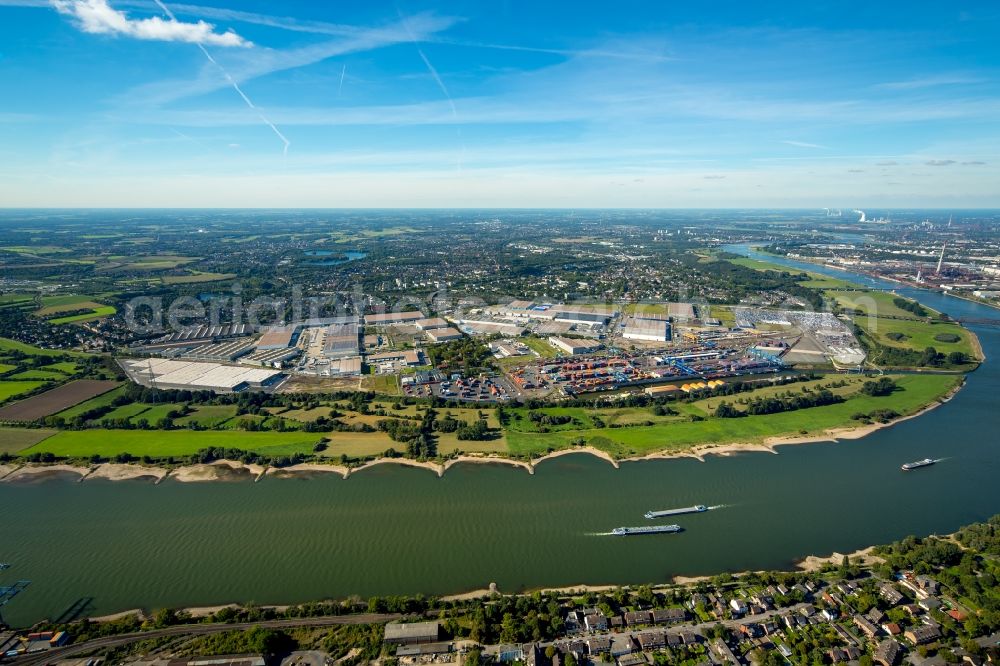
[
  {"x": 882, "y": 387},
  {"x": 947, "y": 337}
]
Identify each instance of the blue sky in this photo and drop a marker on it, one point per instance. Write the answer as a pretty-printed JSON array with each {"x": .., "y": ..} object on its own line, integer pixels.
[{"x": 626, "y": 104}]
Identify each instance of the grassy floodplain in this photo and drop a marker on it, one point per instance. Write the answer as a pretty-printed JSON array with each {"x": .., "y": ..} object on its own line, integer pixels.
[
  {"x": 621, "y": 432},
  {"x": 918, "y": 335},
  {"x": 814, "y": 281},
  {"x": 916, "y": 392},
  {"x": 167, "y": 443}
]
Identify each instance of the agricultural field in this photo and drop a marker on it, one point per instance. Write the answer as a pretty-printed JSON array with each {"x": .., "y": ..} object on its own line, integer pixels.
[
  {"x": 449, "y": 443},
  {"x": 154, "y": 413},
  {"x": 40, "y": 375},
  {"x": 156, "y": 262},
  {"x": 6, "y": 367},
  {"x": 194, "y": 277},
  {"x": 8, "y": 345},
  {"x": 9, "y": 389},
  {"x": 17, "y": 301},
  {"x": 302, "y": 415},
  {"x": 36, "y": 249},
  {"x": 359, "y": 444},
  {"x": 55, "y": 400},
  {"x": 343, "y": 237},
  {"x": 383, "y": 384},
  {"x": 52, "y": 306},
  {"x": 63, "y": 303},
  {"x": 13, "y": 440},
  {"x": 95, "y": 313},
  {"x": 207, "y": 416},
  {"x": 170, "y": 443},
  {"x": 94, "y": 403},
  {"x": 65, "y": 367},
  {"x": 126, "y": 412}
]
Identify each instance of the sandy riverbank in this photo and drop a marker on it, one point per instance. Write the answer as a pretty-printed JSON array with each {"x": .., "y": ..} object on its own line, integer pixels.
[
  {"x": 864, "y": 557},
  {"x": 307, "y": 470},
  {"x": 493, "y": 590},
  {"x": 127, "y": 472},
  {"x": 219, "y": 470},
  {"x": 488, "y": 460},
  {"x": 437, "y": 468},
  {"x": 32, "y": 473},
  {"x": 603, "y": 455}
]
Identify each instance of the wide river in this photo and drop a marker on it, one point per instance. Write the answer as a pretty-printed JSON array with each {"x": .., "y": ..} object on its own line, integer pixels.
[{"x": 395, "y": 530}]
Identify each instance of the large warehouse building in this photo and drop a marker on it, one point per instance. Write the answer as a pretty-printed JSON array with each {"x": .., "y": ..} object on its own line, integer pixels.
[
  {"x": 199, "y": 376},
  {"x": 647, "y": 330},
  {"x": 279, "y": 337},
  {"x": 571, "y": 346},
  {"x": 387, "y": 318},
  {"x": 341, "y": 341}
]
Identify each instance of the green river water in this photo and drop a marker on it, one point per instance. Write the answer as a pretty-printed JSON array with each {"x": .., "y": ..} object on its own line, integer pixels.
[{"x": 395, "y": 530}]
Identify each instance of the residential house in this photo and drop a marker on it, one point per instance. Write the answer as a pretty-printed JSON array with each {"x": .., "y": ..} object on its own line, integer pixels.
[
  {"x": 636, "y": 618},
  {"x": 652, "y": 640},
  {"x": 888, "y": 652},
  {"x": 930, "y": 604},
  {"x": 892, "y": 628},
  {"x": 697, "y": 600},
  {"x": 840, "y": 655},
  {"x": 574, "y": 622},
  {"x": 890, "y": 594},
  {"x": 622, "y": 644},
  {"x": 690, "y": 638},
  {"x": 598, "y": 645},
  {"x": 724, "y": 653},
  {"x": 669, "y": 615},
  {"x": 637, "y": 659},
  {"x": 595, "y": 621},
  {"x": 869, "y": 628},
  {"x": 922, "y": 635}
]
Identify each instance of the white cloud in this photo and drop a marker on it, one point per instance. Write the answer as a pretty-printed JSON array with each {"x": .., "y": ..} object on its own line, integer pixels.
[
  {"x": 248, "y": 65},
  {"x": 98, "y": 17}
]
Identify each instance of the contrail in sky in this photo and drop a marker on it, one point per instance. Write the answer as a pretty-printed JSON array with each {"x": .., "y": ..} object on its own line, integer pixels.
[
  {"x": 340, "y": 88},
  {"x": 235, "y": 85},
  {"x": 441, "y": 85},
  {"x": 427, "y": 62}
]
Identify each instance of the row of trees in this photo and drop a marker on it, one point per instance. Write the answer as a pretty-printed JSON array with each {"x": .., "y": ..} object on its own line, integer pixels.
[
  {"x": 910, "y": 306},
  {"x": 777, "y": 404}
]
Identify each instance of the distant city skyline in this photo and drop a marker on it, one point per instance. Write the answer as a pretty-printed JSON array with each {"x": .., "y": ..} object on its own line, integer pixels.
[{"x": 134, "y": 103}]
